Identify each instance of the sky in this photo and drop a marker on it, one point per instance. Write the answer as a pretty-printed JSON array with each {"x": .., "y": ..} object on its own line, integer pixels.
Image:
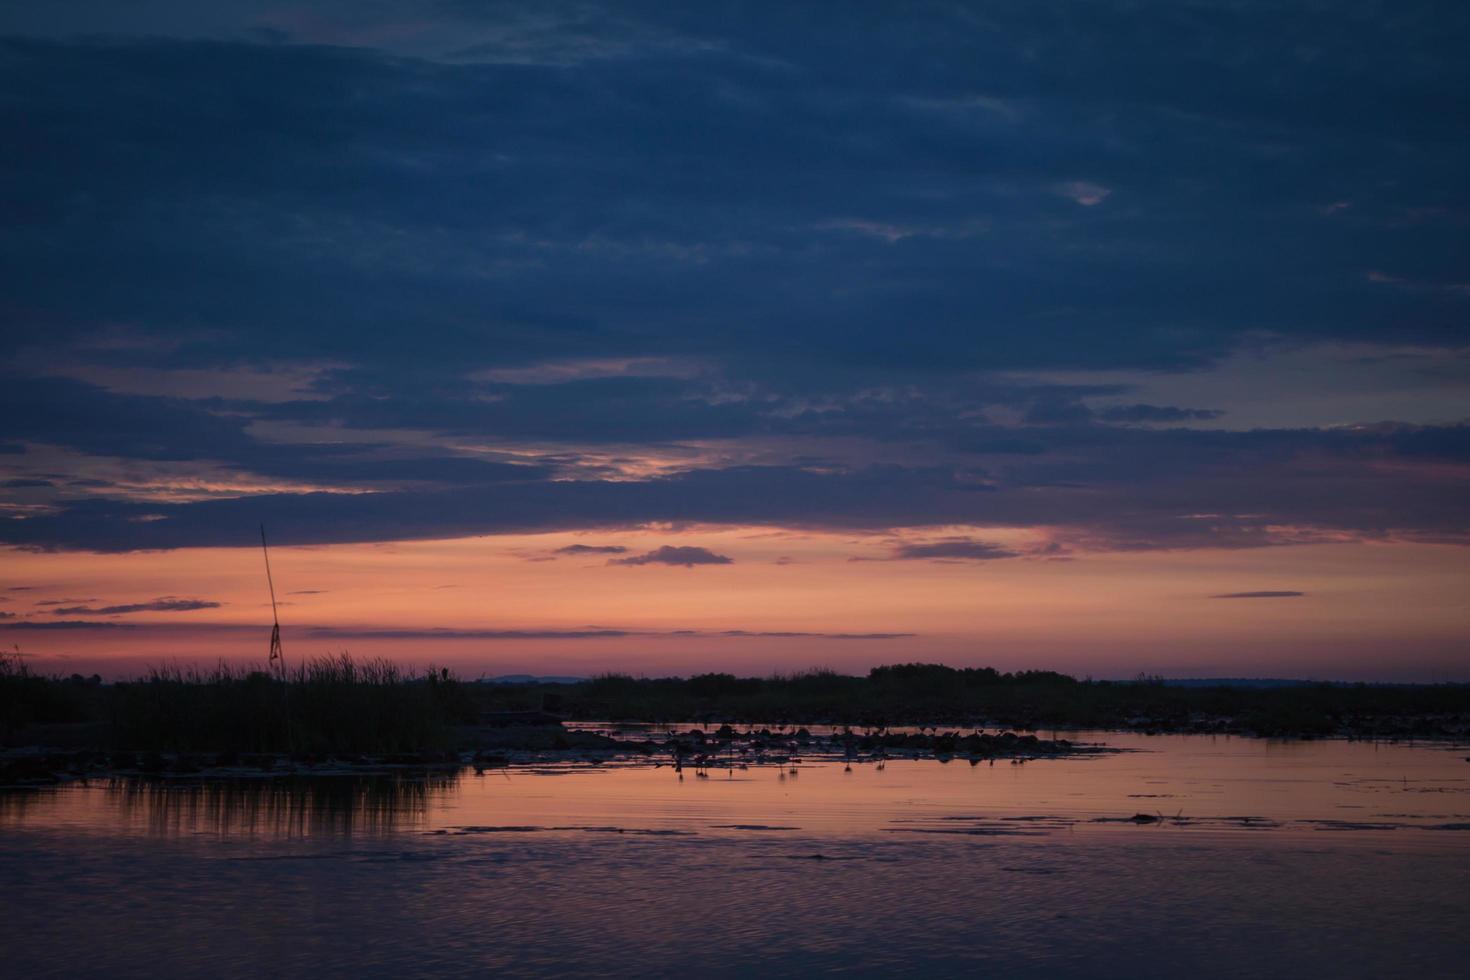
[{"x": 1104, "y": 336}]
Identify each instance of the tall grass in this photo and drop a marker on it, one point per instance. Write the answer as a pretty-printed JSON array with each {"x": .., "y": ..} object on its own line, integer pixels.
[
  {"x": 332, "y": 704},
  {"x": 29, "y": 698}
]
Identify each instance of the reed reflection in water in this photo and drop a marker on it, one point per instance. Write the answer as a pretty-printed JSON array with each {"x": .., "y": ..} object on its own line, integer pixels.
[{"x": 331, "y": 806}]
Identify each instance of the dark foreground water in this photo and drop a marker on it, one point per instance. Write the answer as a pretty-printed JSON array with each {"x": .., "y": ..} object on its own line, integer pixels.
[{"x": 1263, "y": 859}]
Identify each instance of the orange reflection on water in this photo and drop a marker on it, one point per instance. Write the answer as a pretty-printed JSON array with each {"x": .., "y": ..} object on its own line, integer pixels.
[{"x": 1189, "y": 784}]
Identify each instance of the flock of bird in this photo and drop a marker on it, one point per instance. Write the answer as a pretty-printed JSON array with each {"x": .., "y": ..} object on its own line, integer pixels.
[
  {"x": 786, "y": 757},
  {"x": 700, "y": 751}
]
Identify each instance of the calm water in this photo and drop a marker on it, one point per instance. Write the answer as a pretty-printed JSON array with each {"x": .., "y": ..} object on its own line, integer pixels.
[{"x": 1264, "y": 859}]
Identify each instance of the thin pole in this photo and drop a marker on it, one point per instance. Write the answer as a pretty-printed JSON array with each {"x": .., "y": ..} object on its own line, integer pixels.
[
  {"x": 276, "y": 652},
  {"x": 278, "y": 657}
]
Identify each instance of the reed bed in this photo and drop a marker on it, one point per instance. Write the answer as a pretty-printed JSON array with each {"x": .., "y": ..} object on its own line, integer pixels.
[
  {"x": 324, "y": 705},
  {"x": 331, "y": 704},
  {"x": 27, "y": 698}
]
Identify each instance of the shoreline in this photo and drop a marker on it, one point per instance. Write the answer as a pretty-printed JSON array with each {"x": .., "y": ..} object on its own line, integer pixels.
[
  {"x": 482, "y": 750},
  {"x": 36, "y": 766}
]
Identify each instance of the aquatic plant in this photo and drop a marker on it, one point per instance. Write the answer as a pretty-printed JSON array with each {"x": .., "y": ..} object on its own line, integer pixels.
[
  {"x": 28, "y": 698},
  {"x": 329, "y": 704}
]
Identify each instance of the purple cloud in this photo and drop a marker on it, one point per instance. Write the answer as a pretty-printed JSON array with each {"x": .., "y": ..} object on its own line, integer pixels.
[
  {"x": 955, "y": 549},
  {"x": 1258, "y": 595},
  {"x": 165, "y": 604},
  {"x": 688, "y": 557},
  {"x": 67, "y": 624},
  {"x": 1156, "y": 413}
]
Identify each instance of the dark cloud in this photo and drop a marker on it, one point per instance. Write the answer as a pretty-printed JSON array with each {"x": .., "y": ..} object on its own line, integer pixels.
[
  {"x": 686, "y": 556},
  {"x": 600, "y": 210},
  {"x": 514, "y": 259},
  {"x": 1258, "y": 595},
  {"x": 92, "y": 420},
  {"x": 787, "y": 634},
  {"x": 954, "y": 549},
  {"x": 65, "y": 624},
  {"x": 166, "y": 604},
  {"x": 7, "y": 615},
  {"x": 462, "y": 634},
  {"x": 1156, "y": 413},
  {"x": 1057, "y": 410},
  {"x": 591, "y": 549},
  {"x": 1099, "y": 486}
]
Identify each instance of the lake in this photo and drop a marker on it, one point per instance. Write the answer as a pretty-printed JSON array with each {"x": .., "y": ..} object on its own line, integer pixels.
[{"x": 1212, "y": 856}]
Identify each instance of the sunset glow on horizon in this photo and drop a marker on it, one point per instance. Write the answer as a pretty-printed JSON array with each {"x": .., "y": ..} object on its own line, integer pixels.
[{"x": 786, "y": 600}]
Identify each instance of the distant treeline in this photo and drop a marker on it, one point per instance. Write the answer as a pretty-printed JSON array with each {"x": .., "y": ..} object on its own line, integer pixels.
[
  {"x": 339, "y": 705},
  {"x": 906, "y": 694}
]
